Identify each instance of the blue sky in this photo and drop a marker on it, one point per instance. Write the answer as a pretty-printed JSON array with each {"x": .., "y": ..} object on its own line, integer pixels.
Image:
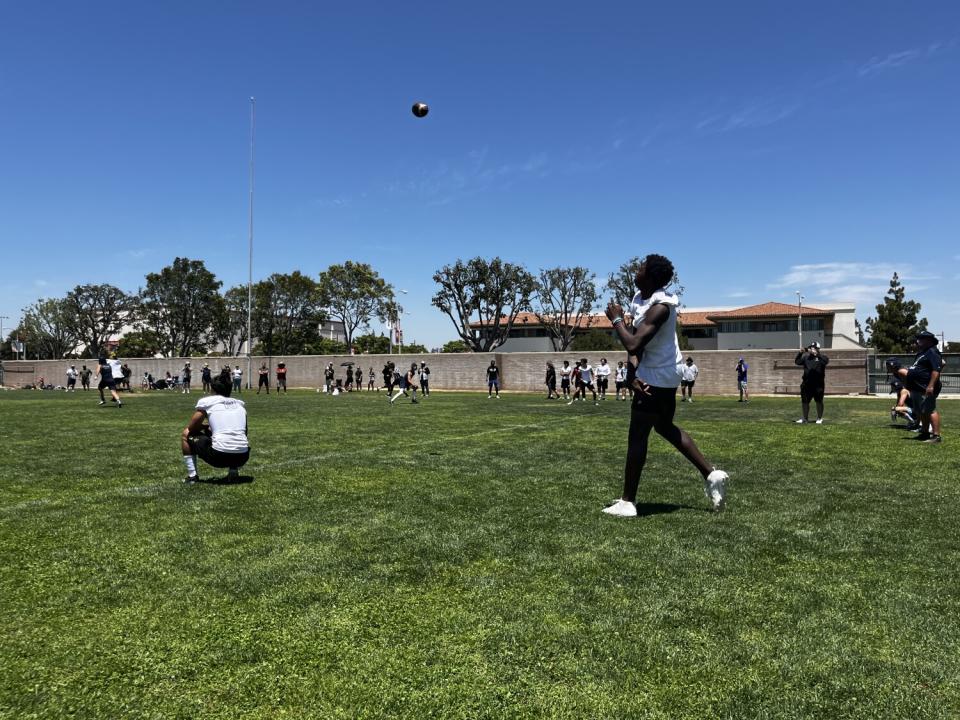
[{"x": 765, "y": 147}]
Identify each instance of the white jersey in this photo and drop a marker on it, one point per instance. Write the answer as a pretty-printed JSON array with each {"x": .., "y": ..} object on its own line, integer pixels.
[
  {"x": 566, "y": 372},
  {"x": 116, "y": 368},
  {"x": 72, "y": 373},
  {"x": 603, "y": 370},
  {"x": 237, "y": 373},
  {"x": 690, "y": 372},
  {"x": 586, "y": 374},
  {"x": 621, "y": 374},
  {"x": 661, "y": 362},
  {"x": 228, "y": 423}
]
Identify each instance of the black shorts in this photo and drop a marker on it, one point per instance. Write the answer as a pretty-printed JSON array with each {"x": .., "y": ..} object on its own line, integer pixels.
[
  {"x": 602, "y": 383},
  {"x": 619, "y": 384},
  {"x": 659, "y": 406},
  {"x": 687, "y": 383},
  {"x": 565, "y": 383},
  {"x": 808, "y": 393},
  {"x": 264, "y": 380},
  {"x": 202, "y": 447},
  {"x": 71, "y": 382},
  {"x": 111, "y": 384}
]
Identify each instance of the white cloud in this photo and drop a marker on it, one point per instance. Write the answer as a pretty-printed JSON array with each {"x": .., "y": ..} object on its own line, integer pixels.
[
  {"x": 756, "y": 114},
  {"x": 738, "y": 294},
  {"x": 860, "y": 283},
  {"x": 878, "y": 64}
]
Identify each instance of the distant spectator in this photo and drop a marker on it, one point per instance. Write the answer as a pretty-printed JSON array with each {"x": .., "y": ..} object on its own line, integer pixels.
[
  {"x": 742, "y": 369},
  {"x": 358, "y": 378},
  {"x": 206, "y": 376},
  {"x": 185, "y": 375},
  {"x": 372, "y": 381},
  {"x": 72, "y": 378},
  {"x": 328, "y": 374},
  {"x": 85, "y": 374},
  {"x": 264, "y": 379},
  {"x": 127, "y": 374},
  {"x": 566, "y": 372},
  {"x": 348, "y": 381},
  {"x": 493, "y": 380},
  {"x": 551, "y": 382},
  {"x": 236, "y": 376},
  {"x": 424, "y": 379},
  {"x": 621, "y": 380},
  {"x": 603, "y": 378},
  {"x": 688, "y": 375},
  {"x": 281, "y": 377}
]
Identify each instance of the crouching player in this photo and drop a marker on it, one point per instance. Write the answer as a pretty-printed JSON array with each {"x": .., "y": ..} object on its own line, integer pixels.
[{"x": 217, "y": 432}]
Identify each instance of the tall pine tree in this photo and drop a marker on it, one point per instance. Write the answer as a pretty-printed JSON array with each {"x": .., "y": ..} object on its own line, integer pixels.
[{"x": 896, "y": 325}]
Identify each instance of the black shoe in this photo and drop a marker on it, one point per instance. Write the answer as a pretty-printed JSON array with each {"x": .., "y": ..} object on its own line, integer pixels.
[
  {"x": 191, "y": 479},
  {"x": 414, "y": 402},
  {"x": 934, "y": 439},
  {"x": 923, "y": 436}
]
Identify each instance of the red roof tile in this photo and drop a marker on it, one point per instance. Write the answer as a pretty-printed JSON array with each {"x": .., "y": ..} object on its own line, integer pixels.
[{"x": 770, "y": 309}]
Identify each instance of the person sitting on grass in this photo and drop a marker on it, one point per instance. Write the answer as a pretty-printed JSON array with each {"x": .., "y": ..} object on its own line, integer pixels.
[{"x": 217, "y": 432}]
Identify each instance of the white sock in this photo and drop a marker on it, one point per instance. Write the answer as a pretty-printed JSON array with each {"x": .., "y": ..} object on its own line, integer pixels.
[{"x": 191, "y": 464}]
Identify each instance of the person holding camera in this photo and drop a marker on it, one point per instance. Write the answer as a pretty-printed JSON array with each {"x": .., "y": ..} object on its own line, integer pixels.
[{"x": 814, "y": 364}]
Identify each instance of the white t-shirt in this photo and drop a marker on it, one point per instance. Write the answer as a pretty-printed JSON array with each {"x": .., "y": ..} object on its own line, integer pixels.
[
  {"x": 586, "y": 373},
  {"x": 72, "y": 373},
  {"x": 621, "y": 374},
  {"x": 237, "y": 373},
  {"x": 661, "y": 362},
  {"x": 690, "y": 372},
  {"x": 603, "y": 370},
  {"x": 566, "y": 372},
  {"x": 228, "y": 423},
  {"x": 116, "y": 368}
]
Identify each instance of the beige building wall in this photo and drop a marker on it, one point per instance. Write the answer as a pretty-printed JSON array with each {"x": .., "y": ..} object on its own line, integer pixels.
[{"x": 771, "y": 371}]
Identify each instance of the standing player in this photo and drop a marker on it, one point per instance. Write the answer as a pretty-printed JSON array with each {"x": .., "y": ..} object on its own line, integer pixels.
[
  {"x": 372, "y": 381},
  {"x": 185, "y": 378},
  {"x": 742, "y": 368},
  {"x": 72, "y": 378},
  {"x": 813, "y": 385},
  {"x": 493, "y": 380},
  {"x": 85, "y": 374},
  {"x": 236, "y": 377},
  {"x": 217, "y": 432},
  {"x": 106, "y": 381},
  {"x": 621, "y": 380},
  {"x": 358, "y": 378},
  {"x": 603, "y": 378},
  {"x": 281, "y": 377},
  {"x": 328, "y": 374},
  {"x": 688, "y": 379},
  {"x": 652, "y": 341},
  {"x": 565, "y": 373},
  {"x": 551, "y": 381},
  {"x": 424, "y": 378},
  {"x": 264, "y": 381},
  {"x": 205, "y": 377}
]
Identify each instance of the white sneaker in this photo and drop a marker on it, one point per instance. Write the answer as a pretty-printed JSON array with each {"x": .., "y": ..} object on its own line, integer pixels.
[
  {"x": 801, "y": 421},
  {"x": 569, "y": 403},
  {"x": 819, "y": 421},
  {"x": 622, "y": 508},
  {"x": 715, "y": 488}
]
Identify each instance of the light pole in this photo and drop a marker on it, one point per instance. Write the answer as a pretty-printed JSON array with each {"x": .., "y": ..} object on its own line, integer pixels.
[
  {"x": 800, "y": 320},
  {"x": 253, "y": 118},
  {"x": 7, "y": 317}
]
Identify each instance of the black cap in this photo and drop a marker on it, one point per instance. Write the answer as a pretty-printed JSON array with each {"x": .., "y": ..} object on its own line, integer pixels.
[{"x": 928, "y": 335}]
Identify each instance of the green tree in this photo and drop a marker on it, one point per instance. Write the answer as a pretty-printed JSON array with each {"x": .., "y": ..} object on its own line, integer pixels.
[
  {"x": 896, "y": 324},
  {"x": 229, "y": 325},
  {"x": 180, "y": 304},
  {"x": 49, "y": 328},
  {"x": 99, "y": 312},
  {"x": 491, "y": 292},
  {"x": 455, "y": 346},
  {"x": 354, "y": 294},
  {"x": 562, "y": 298},
  {"x": 139, "y": 344},
  {"x": 371, "y": 344},
  {"x": 415, "y": 348},
  {"x": 291, "y": 312},
  {"x": 952, "y": 347},
  {"x": 594, "y": 340}
]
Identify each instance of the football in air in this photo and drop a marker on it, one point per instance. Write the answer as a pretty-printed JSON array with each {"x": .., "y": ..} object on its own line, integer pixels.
[{"x": 420, "y": 109}]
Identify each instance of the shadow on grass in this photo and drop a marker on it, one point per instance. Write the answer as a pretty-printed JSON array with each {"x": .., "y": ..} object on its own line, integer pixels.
[
  {"x": 647, "y": 509},
  {"x": 227, "y": 480}
]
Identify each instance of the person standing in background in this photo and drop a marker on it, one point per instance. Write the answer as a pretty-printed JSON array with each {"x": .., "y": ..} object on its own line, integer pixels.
[
  {"x": 742, "y": 368},
  {"x": 689, "y": 377}
]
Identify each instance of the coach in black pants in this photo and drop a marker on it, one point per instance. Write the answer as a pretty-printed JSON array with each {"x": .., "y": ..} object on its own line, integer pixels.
[{"x": 812, "y": 386}]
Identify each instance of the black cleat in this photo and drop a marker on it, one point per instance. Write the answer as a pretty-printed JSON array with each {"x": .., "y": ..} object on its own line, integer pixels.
[{"x": 191, "y": 479}]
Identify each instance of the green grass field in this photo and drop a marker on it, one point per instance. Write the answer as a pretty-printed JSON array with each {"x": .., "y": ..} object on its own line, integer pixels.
[{"x": 450, "y": 560}]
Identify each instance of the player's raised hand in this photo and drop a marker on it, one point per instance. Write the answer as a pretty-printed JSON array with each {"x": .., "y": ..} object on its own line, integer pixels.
[{"x": 614, "y": 311}]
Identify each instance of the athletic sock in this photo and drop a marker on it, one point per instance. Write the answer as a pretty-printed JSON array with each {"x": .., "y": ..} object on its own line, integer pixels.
[{"x": 191, "y": 464}]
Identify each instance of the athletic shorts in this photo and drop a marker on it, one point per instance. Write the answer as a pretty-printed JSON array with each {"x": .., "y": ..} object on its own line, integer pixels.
[
  {"x": 811, "y": 393},
  {"x": 687, "y": 383},
  {"x": 71, "y": 382},
  {"x": 111, "y": 384},
  {"x": 281, "y": 382},
  {"x": 660, "y": 405},
  {"x": 925, "y": 405},
  {"x": 620, "y": 384},
  {"x": 565, "y": 383},
  {"x": 264, "y": 380},
  {"x": 603, "y": 383},
  {"x": 742, "y": 384},
  {"x": 202, "y": 447},
  {"x": 493, "y": 384}
]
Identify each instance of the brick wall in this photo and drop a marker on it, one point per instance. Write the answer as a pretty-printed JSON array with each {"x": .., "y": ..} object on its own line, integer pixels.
[{"x": 771, "y": 371}]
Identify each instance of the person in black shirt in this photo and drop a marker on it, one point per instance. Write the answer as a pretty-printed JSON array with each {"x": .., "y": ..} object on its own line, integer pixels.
[
  {"x": 551, "y": 381},
  {"x": 328, "y": 374},
  {"x": 812, "y": 386},
  {"x": 493, "y": 380},
  {"x": 388, "y": 378},
  {"x": 206, "y": 377},
  {"x": 922, "y": 379}
]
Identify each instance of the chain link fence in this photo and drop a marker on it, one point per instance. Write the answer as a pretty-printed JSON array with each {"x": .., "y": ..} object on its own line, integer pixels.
[{"x": 878, "y": 379}]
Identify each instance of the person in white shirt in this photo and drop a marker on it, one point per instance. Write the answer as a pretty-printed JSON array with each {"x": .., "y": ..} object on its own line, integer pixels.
[
  {"x": 237, "y": 376},
  {"x": 72, "y": 378},
  {"x": 565, "y": 372},
  {"x": 603, "y": 378},
  {"x": 688, "y": 376},
  {"x": 654, "y": 373},
  {"x": 584, "y": 377},
  {"x": 621, "y": 380},
  {"x": 216, "y": 433}
]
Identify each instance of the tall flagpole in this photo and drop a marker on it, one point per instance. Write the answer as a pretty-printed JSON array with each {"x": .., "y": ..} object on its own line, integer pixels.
[{"x": 253, "y": 119}]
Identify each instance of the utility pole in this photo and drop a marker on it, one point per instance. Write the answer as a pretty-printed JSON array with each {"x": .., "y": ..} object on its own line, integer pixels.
[
  {"x": 800, "y": 320},
  {"x": 2, "y": 318},
  {"x": 253, "y": 118}
]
